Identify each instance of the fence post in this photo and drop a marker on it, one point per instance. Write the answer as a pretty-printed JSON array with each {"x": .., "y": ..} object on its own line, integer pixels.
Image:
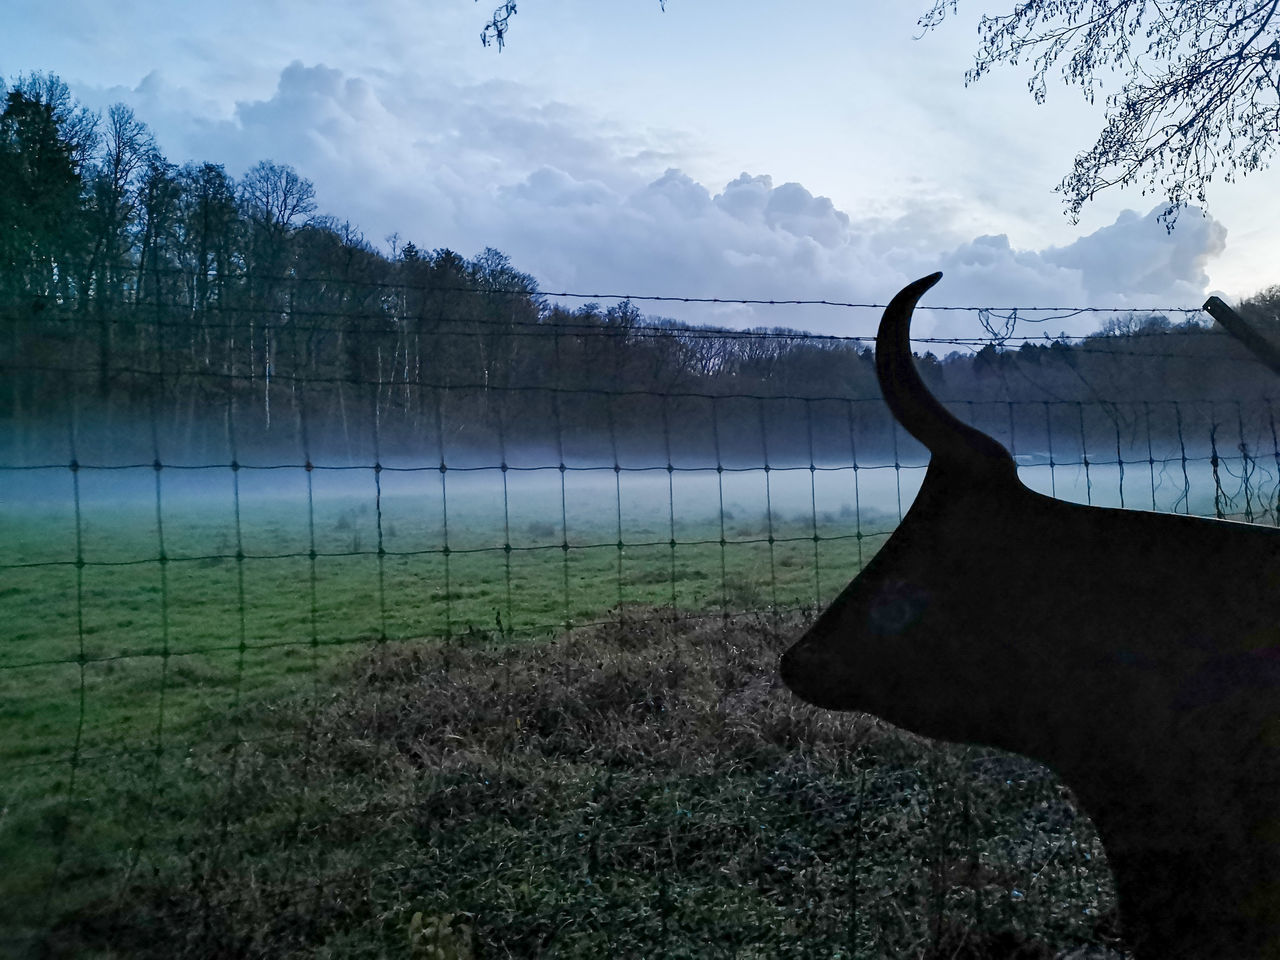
[{"x": 1242, "y": 330}]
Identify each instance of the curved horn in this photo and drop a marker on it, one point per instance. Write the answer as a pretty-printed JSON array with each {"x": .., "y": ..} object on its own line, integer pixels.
[{"x": 911, "y": 402}]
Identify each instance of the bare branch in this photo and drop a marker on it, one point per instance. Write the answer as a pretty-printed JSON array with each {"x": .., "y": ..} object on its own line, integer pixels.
[
  {"x": 495, "y": 30},
  {"x": 1199, "y": 95}
]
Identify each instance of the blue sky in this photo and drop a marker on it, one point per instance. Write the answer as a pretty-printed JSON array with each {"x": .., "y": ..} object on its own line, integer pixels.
[{"x": 747, "y": 149}]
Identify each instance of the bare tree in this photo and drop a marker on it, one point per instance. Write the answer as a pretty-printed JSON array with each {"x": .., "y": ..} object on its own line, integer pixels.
[
  {"x": 127, "y": 147},
  {"x": 1199, "y": 94},
  {"x": 159, "y": 197},
  {"x": 276, "y": 196},
  {"x": 208, "y": 227},
  {"x": 277, "y": 203}
]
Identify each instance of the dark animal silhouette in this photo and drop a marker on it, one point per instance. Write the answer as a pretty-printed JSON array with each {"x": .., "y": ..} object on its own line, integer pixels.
[{"x": 1137, "y": 654}]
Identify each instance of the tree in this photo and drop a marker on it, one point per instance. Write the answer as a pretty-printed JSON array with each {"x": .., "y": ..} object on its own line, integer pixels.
[
  {"x": 77, "y": 125},
  {"x": 275, "y": 203},
  {"x": 1200, "y": 95},
  {"x": 1262, "y": 311},
  {"x": 276, "y": 197},
  {"x": 44, "y": 139},
  {"x": 127, "y": 149},
  {"x": 208, "y": 224},
  {"x": 159, "y": 193}
]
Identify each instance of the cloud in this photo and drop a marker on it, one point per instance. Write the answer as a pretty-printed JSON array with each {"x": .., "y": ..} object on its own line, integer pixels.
[
  {"x": 754, "y": 240},
  {"x": 555, "y": 188},
  {"x": 790, "y": 208},
  {"x": 1134, "y": 262},
  {"x": 586, "y": 206},
  {"x": 1136, "y": 258}
]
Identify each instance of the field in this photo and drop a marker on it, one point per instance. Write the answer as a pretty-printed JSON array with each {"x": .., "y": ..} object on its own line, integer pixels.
[
  {"x": 239, "y": 705},
  {"x": 638, "y": 789},
  {"x": 240, "y": 601}
]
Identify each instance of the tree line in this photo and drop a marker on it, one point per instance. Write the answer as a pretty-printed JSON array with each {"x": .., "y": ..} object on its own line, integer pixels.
[{"x": 142, "y": 294}]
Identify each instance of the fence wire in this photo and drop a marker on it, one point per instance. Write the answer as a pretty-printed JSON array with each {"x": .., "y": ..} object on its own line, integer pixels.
[{"x": 271, "y": 584}]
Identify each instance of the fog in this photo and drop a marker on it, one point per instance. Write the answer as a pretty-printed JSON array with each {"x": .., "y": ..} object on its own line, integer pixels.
[
  {"x": 834, "y": 470},
  {"x": 130, "y": 513}
]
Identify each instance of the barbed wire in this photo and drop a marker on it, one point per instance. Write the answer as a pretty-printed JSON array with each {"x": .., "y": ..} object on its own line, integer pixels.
[
  {"x": 534, "y": 292},
  {"x": 288, "y": 313},
  {"x": 482, "y": 386},
  {"x": 286, "y": 320}
]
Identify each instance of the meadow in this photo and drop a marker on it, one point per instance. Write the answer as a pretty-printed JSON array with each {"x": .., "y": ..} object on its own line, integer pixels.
[
  {"x": 261, "y": 582},
  {"x": 168, "y": 630},
  {"x": 640, "y": 788}
]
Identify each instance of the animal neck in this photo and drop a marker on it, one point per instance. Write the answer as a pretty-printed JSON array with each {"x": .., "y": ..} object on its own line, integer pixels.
[
  {"x": 1192, "y": 904},
  {"x": 1196, "y": 861}
]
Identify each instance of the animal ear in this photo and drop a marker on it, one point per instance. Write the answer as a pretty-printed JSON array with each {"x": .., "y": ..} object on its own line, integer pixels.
[{"x": 910, "y": 400}]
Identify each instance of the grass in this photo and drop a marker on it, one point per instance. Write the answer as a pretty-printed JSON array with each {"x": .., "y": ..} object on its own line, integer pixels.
[
  {"x": 243, "y": 749},
  {"x": 216, "y": 743},
  {"x": 129, "y": 650},
  {"x": 640, "y": 788},
  {"x": 114, "y": 670}
]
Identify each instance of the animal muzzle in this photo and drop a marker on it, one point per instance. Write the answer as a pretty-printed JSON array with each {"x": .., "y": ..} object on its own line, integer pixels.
[{"x": 816, "y": 677}]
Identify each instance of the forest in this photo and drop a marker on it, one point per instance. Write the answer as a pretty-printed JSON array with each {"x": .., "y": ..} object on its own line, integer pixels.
[{"x": 176, "y": 312}]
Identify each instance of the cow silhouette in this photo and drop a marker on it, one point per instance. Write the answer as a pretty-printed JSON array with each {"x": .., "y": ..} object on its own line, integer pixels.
[{"x": 1136, "y": 654}]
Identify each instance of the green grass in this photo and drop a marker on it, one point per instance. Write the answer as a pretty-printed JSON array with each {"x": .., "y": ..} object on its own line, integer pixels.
[
  {"x": 115, "y": 670},
  {"x": 127, "y": 650}
]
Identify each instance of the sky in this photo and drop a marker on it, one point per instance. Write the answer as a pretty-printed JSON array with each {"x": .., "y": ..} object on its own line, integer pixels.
[{"x": 746, "y": 150}]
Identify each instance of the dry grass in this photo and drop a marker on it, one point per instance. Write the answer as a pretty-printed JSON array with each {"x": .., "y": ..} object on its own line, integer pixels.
[{"x": 641, "y": 789}]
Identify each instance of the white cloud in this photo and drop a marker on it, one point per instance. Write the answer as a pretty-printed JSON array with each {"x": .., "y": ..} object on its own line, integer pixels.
[
  {"x": 1137, "y": 258},
  {"x": 1134, "y": 262},
  {"x": 555, "y": 188},
  {"x": 584, "y": 205}
]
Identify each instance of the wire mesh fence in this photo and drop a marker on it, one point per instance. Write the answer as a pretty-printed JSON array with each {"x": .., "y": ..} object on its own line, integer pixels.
[{"x": 271, "y": 577}]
